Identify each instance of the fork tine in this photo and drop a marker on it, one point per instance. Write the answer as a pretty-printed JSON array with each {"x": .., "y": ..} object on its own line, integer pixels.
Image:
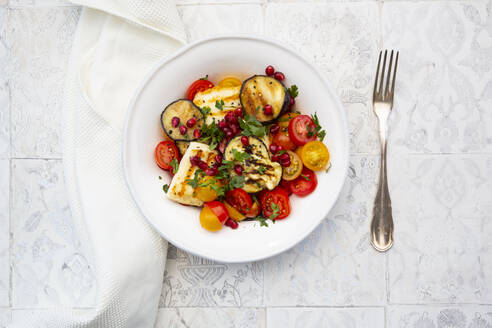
[
  {"x": 374, "y": 93},
  {"x": 394, "y": 77},
  {"x": 382, "y": 74},
  {"x": 388, "y": 78}
]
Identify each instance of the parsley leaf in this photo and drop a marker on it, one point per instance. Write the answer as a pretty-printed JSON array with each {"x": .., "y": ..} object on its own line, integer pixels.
[
  {"x": 305, "y": 177},
  {"x": 239, "y": 155},
  {"x": 261, "y": 169},
  {"x": 219, "y": 105},
  {"x": 319, "y": 129},
  {"x": 204, "y": 78},
  {"x": 194, "y": 182},
  {"x": 160, "y": 178},
  {"x": 276, "y": 211},
  {"x": 212, "y": 135},
  {"x": 293, "y": 91},
  {"x": 252, "y": 127},
  {"x": 175, "y": 165},
  {"x": 165, "y": 188},
  {"x": 206, "y": 110},
  {"x": 236, "y": 181}
]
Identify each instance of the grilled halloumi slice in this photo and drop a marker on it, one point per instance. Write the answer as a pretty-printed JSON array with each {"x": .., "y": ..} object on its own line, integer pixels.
[
  {"x": 179, "y": 190},
  {"x": 209, "y": 97}
]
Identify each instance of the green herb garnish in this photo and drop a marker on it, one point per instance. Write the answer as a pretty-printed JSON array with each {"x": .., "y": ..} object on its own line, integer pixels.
[
  {"x": 175, "y": 165},
  {"x": 236, "y": 181},
  {"x": 160, "y": 178},
  {"x": 261, "y": 169},
  {"x": 252, "y": 127},
  {"x": 206, "y": 110},
  {"x": 305, "y": 177},
  {"x": 239, "y": 155},
  {"x": 319, "y": 130},
  {"x": 219, "y": 105},
  {"x": 293, "y": 91},
  {"x": 165, "y": 188},
  {"x": 212, "y": 135},
  {"x": 196, "y": 177},
  {"x": 204, "y": 78}
]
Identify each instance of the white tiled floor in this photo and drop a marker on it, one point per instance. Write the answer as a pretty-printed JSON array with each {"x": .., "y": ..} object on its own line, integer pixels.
[{"x": 442, "y": 203}]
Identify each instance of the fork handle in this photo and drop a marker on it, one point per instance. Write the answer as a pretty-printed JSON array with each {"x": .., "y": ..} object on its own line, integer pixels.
[{"x": 382, "y": 219}]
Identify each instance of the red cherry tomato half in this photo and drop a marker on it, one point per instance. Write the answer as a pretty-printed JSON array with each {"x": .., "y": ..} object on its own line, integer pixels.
[
  {"x": 302, "y": 130},
  {"x": 198, "y": 86},
  {"x": 164, "y": 153},
  {"x": 285, "y": 185},
  {"x": 219, "y": 210},
  {"x": 282, "y": 139},
  {"x": 240, "y": 200},
  {"x": 280, "y": 198},
  {"x": 304, "y": 184}
]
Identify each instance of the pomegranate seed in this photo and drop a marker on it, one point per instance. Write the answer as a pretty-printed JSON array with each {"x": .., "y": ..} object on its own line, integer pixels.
[
  {"x": 211, "y": 171},
  {"x": 285, "y": 163},
  {"x": 292, "y": 101},
  {"x": 269, "y": 70},
  {"x": 197, "y": 134},
  {"x": 273, "y": 148},
  {"x": 284, "y": 157},
  {"x": 202, "y": 165},
  {"x": 235, "y": 129},
  {"x": 238, "y": 169},
  {"x": 275, "y": 158},
  {"x": 268, "y": 110},
  {"x": 218, "y": 158},
  {"x": 279, "y": 76},
  {"x": 226, "y": 129},
  {"x": 245, "y": 140},
  {"x": 231, "y": 118},
  {"x": 222, "y": 145},
  {"x": 194, "y": 160},
  {"x": 183, "y": 129},
  {"x": 279, "y": 148},
  {"x": 274, "y": 129},
  {"x": 229, "y": 134},
  {"x": 175, "y": 122},
  {"x": 191, "y": 122},
  {"x": 222, "y": 124},
  {"x": 231, "y": 223},
  {"x": 238, "y": 112}
]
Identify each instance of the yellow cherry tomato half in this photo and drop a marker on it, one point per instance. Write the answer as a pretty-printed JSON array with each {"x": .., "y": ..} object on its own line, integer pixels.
[
  {"x": 209, "y": 220},
  {"x": 284, "y": 120},
  {"x": 230, "y": 82},
  {"x": 206, "y": 194},
  {"x": 294, "y": 169},
  {"x": 315, "y": 155},
  {"x": 233, "y": 213}
]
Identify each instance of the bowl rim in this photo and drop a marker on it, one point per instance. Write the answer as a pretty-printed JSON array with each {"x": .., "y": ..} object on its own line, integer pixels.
[{"x": 147, "y": 78}]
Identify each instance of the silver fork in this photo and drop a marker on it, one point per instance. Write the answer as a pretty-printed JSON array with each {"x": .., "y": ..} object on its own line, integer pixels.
[{"x": 382, "y": 99}]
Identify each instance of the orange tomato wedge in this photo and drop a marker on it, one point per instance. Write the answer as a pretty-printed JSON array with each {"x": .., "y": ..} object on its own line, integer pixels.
[{"x": 233, "y": 213}]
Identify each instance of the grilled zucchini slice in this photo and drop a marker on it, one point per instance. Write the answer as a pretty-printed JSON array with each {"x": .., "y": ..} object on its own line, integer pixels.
[
  {"x": 258, "y": 170},
  {"x": 261, "y": 90},
  {"x": 184, "y": 110}
]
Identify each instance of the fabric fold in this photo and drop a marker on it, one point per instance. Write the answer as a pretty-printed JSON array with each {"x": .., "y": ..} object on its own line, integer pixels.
[{"x": 114, "y": 48}]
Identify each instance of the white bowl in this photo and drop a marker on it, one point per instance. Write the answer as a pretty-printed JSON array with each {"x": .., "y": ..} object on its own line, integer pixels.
[{"x": 241, "y": 56}]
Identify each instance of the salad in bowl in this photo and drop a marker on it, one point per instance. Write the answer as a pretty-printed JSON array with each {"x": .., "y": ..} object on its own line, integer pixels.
[{"x": 238, "y": 150}]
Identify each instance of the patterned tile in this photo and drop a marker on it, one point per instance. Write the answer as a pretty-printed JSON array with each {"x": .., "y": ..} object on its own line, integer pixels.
[
  {"x": 443, "y": 214},
  {"x": 204, "y": 21},
  {"x": 40, "y": 41},
  {"x": 211, "y": 2},
  {"x": 325, "y": 318},
  {"x": 4, "y": 232},
  {"x": 445, "y": 75},
  {"x": 5, "y": 317},
  {"x": 211, "y": 317},
  {"x": 342, "y": 39},
  {"x": 38, "y": 3},
  {"x": 4, "y": 90},
  {"x": 193, "y": 281},
  {"x": 470, "y": 316},
  {"x": 335, "y": 265},
  {"x": 49, "y": 266}
]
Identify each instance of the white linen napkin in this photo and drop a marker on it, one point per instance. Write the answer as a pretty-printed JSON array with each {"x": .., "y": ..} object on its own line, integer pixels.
[{"x": 116, "y": 44}]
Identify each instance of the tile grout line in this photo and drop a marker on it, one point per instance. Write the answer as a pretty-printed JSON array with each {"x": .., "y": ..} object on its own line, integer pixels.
[{"x": 11, "y": 171}]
